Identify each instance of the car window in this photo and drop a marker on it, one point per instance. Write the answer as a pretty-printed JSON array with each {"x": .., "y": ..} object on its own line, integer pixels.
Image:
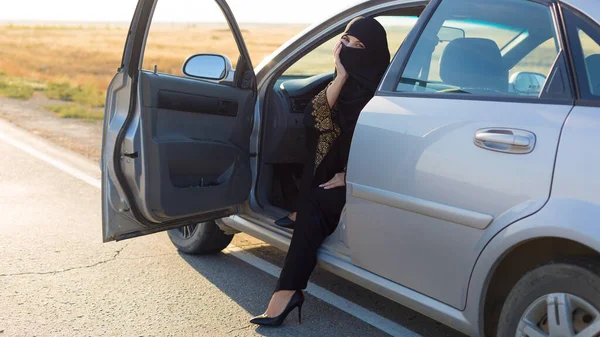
[
  {"x": 172, "y": 39},
  {"x": 539, "y": 60},
  {"x": 584, "y": 39},
  {"x": 320, "y": 59},
  {"x": 589, "y": 47},
  {"x": 492, "y": 47},
  {"x": 591, "y": 54},
  {"x": 317, "y": 61}
]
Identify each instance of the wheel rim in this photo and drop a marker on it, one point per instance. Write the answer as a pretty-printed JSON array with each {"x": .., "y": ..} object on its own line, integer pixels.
[
  {"x": 559, "y": 315},
  {"x": 187, "y": 231}
]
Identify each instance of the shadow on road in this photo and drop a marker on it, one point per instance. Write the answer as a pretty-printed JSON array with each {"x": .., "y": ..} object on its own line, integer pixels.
[{"x": 251, "y": 289}]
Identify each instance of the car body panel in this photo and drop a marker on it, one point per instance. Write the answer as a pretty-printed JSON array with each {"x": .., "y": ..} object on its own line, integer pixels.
[
  {"x": 571, "y": 213},
  {"x": 118, "y": 105},
  {"x": 435, "y": 164},
  {"x": 560, "y": 218},
  {"x": 576, "y": 175}
]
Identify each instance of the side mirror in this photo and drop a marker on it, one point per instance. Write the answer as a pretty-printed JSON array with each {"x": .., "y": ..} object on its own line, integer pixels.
[
  {"x": 447, "y": 34},
  {"x": 207, "y": 66},
  {"x": 528, "y": 83}
]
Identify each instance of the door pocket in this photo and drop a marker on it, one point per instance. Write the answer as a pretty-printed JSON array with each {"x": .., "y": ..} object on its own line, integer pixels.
[{"x": 188, "y": 166}]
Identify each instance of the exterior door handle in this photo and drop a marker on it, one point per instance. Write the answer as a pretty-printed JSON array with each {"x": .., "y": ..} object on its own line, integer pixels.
[{"x": 505, "y": 140}]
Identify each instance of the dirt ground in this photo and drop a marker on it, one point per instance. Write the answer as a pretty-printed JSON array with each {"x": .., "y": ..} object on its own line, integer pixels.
[{"x": 81, "y": 136}]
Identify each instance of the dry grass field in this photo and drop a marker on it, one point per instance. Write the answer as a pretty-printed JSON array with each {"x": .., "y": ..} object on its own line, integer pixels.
[
  {"x": 90, "y": 54},
  {"x": 75, "y": 63}
]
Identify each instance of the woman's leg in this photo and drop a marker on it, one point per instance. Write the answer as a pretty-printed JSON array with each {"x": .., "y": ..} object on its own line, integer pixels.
[
  {"x": 301, "y": 257},
  {"x": 299, "y": 263},
  {"x": 317, "y": 220}
]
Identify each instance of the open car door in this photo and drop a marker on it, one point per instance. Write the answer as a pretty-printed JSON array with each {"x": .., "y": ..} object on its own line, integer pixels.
[{"x": 175, "y": 150}]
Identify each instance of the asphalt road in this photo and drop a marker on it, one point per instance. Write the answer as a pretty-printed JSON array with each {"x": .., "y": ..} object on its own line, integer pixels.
[{"x": 57, "y": 278}]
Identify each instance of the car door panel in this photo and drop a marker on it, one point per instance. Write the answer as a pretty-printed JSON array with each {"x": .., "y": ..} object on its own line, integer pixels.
[
  {"x": 435, "y": 197},
  {"x": 438, "y": 172},
  {"x": 175, "y": 149},
  {"x": 179, "y": 141}
]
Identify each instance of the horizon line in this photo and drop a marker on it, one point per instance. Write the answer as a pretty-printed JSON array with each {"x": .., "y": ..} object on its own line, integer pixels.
[{"x": 119, "y": 22}]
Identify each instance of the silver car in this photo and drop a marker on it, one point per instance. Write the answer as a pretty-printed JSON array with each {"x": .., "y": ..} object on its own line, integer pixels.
[{"x": 473, "y": 180}]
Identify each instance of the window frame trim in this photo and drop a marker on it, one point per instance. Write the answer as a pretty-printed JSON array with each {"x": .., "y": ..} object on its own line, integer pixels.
[
  {"x": 402, "y": 55},
  {"x": 243, "y": 62},
  {"x": 591, "y": 99},
  {"x": 398, "y": 65},
  {"x": 318, "y": 39}
]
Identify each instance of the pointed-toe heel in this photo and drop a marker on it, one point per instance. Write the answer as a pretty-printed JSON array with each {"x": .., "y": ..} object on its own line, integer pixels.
[
  {"x": 285, "y": 222},
  {"x": 296, "y": 301}
]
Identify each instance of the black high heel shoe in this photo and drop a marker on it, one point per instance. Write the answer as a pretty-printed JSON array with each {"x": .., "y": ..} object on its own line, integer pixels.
[
  {"x": 296, "y": 301},
  {"x": 285, "y": 222}
]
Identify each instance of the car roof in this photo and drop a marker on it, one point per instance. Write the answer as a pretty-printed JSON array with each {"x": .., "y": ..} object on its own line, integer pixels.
[{"x": 588, "y": 7}]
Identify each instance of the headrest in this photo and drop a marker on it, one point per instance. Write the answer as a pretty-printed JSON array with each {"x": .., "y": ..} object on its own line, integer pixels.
[
  {"x": 474, "y": 63},
  {"x": 592, "y": 63}
]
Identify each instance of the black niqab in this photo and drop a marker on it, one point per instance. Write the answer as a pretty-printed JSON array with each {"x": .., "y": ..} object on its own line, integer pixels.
[{"x": 366, "y": 66}]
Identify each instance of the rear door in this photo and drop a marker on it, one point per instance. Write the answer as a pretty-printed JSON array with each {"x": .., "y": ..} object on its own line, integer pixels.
[
  {"x": 457, "y": 144},
  {"x": 176, "y": 147}
]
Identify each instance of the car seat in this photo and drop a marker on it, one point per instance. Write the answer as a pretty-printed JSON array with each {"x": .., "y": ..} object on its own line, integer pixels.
[{"x": 474, "y": 65}]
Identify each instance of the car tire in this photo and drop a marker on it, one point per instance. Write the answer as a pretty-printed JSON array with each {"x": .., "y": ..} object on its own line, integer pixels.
[
  {"x": 541, "y": 291},
  {"x": 200, "y": 239}
]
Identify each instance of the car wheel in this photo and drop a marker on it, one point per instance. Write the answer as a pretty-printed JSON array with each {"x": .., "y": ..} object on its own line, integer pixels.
[
  {"x": 557, "y": 299},
  {"x": 202, "y": 238}
]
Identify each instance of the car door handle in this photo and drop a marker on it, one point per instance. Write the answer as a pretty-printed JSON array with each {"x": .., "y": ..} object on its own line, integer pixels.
[
  {"x": 487, "y": 137},
  {"x": 505, "y": 140}
]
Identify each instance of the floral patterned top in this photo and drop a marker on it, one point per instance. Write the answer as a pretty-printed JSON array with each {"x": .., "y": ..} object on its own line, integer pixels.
[{"x": 325, "y": 123}]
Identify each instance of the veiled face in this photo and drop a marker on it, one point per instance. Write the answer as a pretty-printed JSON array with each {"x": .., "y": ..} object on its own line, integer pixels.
[{"x": 352, "y": 42}]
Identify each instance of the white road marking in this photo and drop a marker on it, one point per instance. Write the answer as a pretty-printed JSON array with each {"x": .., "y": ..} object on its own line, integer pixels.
[
  {"x": 58, "y": 164},
  {"x": 323, "y": 294}
]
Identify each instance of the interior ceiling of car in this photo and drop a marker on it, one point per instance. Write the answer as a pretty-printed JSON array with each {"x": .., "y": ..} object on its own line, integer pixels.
[{"x": 412, "y": 11}]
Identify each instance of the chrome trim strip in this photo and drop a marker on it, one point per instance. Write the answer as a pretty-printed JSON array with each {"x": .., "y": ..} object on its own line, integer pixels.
[{"x": 420, "y": 206}]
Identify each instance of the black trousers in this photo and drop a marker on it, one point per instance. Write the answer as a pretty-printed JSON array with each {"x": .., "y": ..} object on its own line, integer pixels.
[
  {"x": 312, "y": 227},
  {"x": 318, "y": 215}
]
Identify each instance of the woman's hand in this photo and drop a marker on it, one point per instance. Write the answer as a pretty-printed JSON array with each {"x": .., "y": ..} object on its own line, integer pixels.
[
  {"x": 338, "y": 180},
  {"x": 342, "y": 75},
  {"x": 341, "y": 71}
]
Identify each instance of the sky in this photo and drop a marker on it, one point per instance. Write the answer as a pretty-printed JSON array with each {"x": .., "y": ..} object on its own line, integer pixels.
[{"x": 260, "y": 11}]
